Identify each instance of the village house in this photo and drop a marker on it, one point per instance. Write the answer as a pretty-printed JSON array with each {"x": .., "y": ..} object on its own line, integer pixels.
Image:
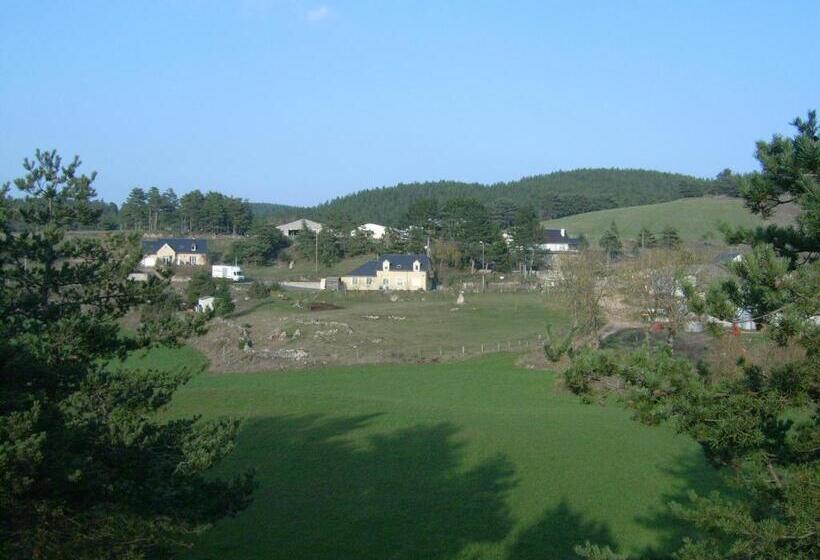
[
  {"x": 193, "y": 252},
  {"x": 290, "y": 229},
  {"x": 558, "y": 241},
  {"x": 392, "y": 272}
]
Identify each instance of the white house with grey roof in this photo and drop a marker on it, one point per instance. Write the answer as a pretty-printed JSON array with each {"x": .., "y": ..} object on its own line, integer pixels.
[
  {"x": 558, "y": 241},
  {"x": 392, "y": 272},
  {"x": 174, "y": 250}
]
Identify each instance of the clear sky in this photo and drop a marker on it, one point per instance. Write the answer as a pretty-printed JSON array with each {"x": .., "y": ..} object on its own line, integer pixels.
[{"x": 296, "y": 102}]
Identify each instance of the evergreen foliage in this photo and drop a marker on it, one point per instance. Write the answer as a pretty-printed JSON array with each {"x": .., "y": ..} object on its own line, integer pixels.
[
  {"x": 262, "y": 246},
  {"x": 763, "y": 426},
  {"x": 553, "y": 195},
  {"x": 86, "y": 471},
  {"x": 610, "y": 242}
]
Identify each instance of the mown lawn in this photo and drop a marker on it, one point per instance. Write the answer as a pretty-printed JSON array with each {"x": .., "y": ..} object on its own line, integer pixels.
[{"x": 475, "y": 459}]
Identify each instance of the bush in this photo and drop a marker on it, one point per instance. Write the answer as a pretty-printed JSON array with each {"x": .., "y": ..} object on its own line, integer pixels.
[
  {"x": 200, "y": 285},
  {"x": 259, "y": 290},
  {"x": 223, "y": 303}
]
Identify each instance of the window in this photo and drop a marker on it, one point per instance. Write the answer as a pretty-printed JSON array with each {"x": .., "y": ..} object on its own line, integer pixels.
[
  {"x": 192, "y": 259},
  {"x": 167, "y": 259},
  {"x": 369, "y": 281}
]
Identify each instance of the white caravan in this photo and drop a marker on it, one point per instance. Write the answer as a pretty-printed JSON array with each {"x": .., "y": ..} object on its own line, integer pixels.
[{"x": 233, "y": 273}]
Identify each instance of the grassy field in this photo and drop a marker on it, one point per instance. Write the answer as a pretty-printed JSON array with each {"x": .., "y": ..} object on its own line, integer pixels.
[
  {"x": 475, "y": 459},
  {"x": 303, "y": 269},
  {"x": 370, "y": 328},
  {"x": 693, "y": 217}
]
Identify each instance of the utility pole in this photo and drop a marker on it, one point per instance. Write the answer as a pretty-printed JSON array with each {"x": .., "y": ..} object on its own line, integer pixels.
[
  {"x": 316, "y": 257},
  {"x": 483, "y": 269}
]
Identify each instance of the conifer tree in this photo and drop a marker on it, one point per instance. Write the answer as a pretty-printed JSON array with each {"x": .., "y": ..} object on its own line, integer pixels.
[{"x": 86, "y": 470}]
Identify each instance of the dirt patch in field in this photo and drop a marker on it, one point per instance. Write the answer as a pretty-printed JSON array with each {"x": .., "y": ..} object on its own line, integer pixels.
[{"x": 321, "y": 306}]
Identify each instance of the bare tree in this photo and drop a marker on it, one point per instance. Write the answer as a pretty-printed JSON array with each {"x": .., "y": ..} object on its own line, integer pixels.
[{"x": 583, "y": 283}]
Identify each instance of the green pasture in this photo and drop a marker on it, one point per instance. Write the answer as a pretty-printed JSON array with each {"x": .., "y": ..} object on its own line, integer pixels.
[
  {"x": 693, "y": 218},
  {"x": 474, "y": 459}
]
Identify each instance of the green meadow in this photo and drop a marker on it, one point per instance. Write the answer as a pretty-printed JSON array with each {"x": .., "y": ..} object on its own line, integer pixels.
[
  {"x": 475, "y": 459},
  {"x": 692, "y": 217}
]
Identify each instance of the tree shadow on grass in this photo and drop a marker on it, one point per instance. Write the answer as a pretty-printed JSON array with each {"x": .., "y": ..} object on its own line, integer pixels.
[
  {"x": 560, "y": 529},
  {"x": 692, "y": 473},
  {"x": 400, "y": 495},
  {"x": 557, "y": 533}
]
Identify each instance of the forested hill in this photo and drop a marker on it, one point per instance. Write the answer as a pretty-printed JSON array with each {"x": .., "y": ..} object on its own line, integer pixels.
[{"x": 553, "y": 195}]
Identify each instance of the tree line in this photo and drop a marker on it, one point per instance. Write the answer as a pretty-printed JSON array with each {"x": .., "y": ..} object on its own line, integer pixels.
[
  {"x": 553, "y": 195},
  {"x": 153, "y": 210}
]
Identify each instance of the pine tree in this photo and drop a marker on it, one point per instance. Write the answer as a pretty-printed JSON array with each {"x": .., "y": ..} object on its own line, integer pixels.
[
  {"x": 86, "y": 471},
  {"x": 670, "y": 238},
  {"x": 646, "y": 239},
  {"x": 610, "y": 242}
]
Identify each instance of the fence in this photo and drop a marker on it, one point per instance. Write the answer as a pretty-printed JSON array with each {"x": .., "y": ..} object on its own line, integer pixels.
[{"x": 433, "y": 352}]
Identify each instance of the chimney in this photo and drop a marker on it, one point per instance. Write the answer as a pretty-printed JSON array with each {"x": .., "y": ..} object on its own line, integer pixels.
[{"x": 563, "y": 232}]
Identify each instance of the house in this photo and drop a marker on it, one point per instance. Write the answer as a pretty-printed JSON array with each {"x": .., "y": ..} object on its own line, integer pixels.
[
  {"x": 290, "y": 229},
  {"x": 391, "y": 272},
  {"x": 376, "y": 231},
  {"x": 177, "y": 251},
  {"x": 558, "y": 241}
]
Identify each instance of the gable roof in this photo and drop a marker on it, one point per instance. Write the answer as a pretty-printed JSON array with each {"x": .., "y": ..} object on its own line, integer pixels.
[
  {"x": 557, "y": 236},
  {"x": 397, "y": 262},
  {"x": 297, "y": 225},
  {"x": 179, "y": 245}
]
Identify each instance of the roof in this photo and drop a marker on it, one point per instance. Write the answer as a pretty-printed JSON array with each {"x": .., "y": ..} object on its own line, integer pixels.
[
  {"x": 297, "y": 224},
  {"x": 559, "y": 236},
  {"x": 397, "y": 262},
  {"x": 179, "y": 245}
]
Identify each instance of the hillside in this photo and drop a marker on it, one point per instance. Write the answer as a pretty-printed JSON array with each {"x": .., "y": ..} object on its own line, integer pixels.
[
  {"x": 553, "y": 195},
  {"x": 693, "y": 217}
]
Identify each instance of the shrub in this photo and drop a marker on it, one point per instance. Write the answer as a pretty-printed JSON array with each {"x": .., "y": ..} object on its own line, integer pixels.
[{"x": 259, "y": 290}]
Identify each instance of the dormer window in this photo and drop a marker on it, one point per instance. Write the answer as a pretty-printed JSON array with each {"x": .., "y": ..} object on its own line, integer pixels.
[
  {"x": 193, "y": 246},
  {"x": 386, "y": 265},
  {"x": 416, "y": 266}
]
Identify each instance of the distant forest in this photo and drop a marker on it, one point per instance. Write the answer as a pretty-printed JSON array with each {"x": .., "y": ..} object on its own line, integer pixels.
[{"x": 554, "y": 195}]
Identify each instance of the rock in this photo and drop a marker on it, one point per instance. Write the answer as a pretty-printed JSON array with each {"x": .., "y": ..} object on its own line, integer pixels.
[
  {"x": 460, "y": 300},
  {"x": 298, "y": 355},
  {"x": 394, "y": 298},
  {"x": 276, "y": 333},
  {"x": 297, "y": 333},
  {"x": 283, "y": 336},
  {"x": 290, "y": 265}
]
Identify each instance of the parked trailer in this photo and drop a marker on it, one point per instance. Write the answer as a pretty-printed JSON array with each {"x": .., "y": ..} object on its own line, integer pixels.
[{"x": 233, "y": 273}]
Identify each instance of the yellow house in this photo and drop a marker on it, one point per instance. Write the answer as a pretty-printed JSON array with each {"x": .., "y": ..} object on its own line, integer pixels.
[
  {"x": 193, "y": 252},
  {"x": 391, "y": 272}
]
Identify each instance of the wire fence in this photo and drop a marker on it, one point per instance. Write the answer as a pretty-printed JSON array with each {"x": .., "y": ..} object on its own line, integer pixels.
[{"x": 433, "y": 352}]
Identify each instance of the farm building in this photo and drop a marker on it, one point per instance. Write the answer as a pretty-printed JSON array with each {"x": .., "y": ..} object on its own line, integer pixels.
[
  {"x": 290, "y": 229},
  {"x": 391, "y": 272},
  {"x": 177, "y": 251},
  {"x": 376, "y": 230}
]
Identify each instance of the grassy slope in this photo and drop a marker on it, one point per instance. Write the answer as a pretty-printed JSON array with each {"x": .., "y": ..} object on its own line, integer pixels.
[
  {"x": 474, "y": 459},
  {"x": 692, "y": 216}
]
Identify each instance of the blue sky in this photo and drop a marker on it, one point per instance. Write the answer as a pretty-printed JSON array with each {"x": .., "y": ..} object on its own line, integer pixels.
[{"x": 297, "y": 102}]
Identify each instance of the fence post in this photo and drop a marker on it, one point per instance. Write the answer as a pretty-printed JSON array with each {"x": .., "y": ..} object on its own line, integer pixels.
[
  {"x": 482, "y": 348},
  {"x": 462, "y": 350},
  {"x": 498, "y": 347},
  {"x": 440, "y": 352}
]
